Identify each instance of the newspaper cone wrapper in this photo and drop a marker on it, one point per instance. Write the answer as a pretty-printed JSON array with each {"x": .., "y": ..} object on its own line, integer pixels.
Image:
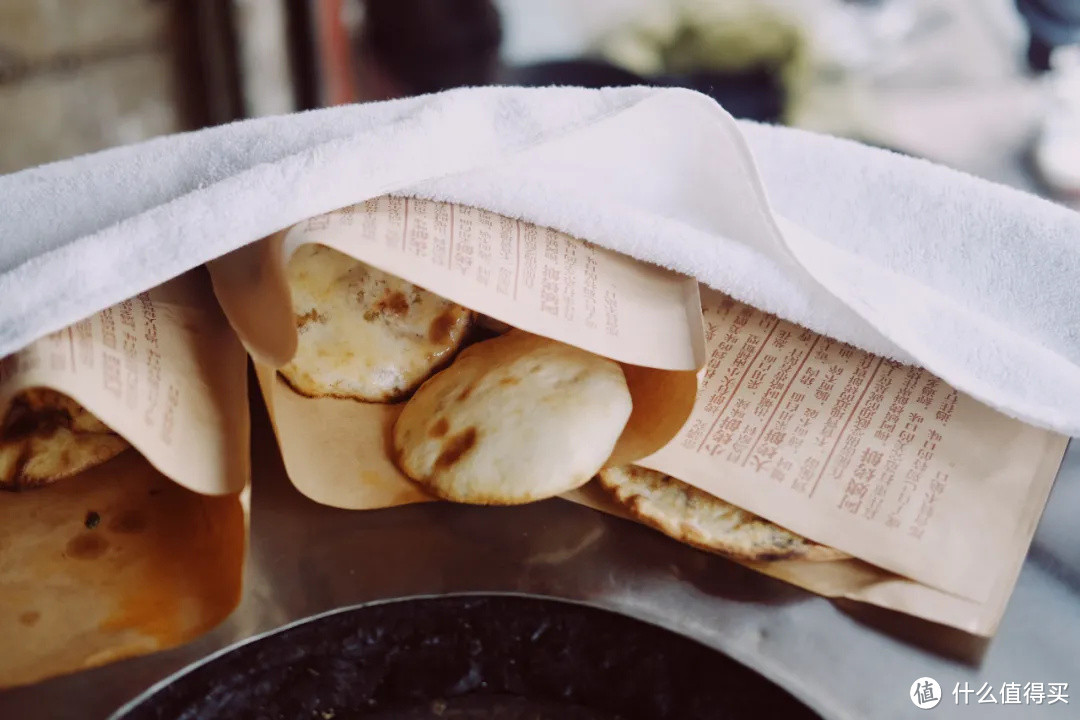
[
  {"x": 145, "y": 551},
  {"x": 935, "y": 493},
  {"x": 336, "y": 451}
]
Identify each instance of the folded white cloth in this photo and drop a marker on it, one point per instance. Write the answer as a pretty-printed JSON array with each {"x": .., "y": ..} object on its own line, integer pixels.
[{"x": 977, "y": 282}]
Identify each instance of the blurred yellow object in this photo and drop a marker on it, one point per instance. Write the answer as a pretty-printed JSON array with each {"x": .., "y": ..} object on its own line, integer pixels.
[{"x": 687, "y": 36}]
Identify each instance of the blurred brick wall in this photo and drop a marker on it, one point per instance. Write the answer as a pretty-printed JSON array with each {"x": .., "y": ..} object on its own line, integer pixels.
[{"x": 82, "y": 75}]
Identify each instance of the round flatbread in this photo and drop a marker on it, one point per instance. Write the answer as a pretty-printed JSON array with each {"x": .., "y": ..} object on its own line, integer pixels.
[
  {"x": 365, "y": 334},
  {"x": 515, "y": 419},
  {"x": 697, "y": 518},
  {"x": 47, "y": 436}
]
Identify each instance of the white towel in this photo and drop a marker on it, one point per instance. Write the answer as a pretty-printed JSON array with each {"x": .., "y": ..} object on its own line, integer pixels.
[{"x": 976, "y": 282}]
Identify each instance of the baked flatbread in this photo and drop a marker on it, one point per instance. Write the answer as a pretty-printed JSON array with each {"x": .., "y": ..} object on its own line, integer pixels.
[
  {"x": 365, "y": 334},
  {"x": 697, "y": 518},
  {"x": 47, "y": 436},
  {"x": 515, "y": 419}
]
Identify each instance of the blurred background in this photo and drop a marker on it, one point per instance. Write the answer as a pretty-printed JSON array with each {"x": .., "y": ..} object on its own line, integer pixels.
[{"x": 991, "y": 87}]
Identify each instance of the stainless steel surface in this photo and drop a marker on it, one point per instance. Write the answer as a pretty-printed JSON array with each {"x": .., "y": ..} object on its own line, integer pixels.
[{"x": 305, "y": 559}]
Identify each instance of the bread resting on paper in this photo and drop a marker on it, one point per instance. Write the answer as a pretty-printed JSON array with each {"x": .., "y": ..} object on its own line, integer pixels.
[
  {"x": 697, "y": 518},
  {"x": 514, "y": 419},
  {"x": 365, "y": 334}
]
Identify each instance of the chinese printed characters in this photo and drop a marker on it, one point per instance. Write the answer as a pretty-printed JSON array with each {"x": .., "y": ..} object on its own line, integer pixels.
[
  {"x": 119, "y": 348},
  {"x": 1012, "y": 693},
  {"x": 796, "y": 408},
  {"x": 540, "y": 280},
  {"x": 540, "y": 267},
  {"x": 925, "y": 693}
]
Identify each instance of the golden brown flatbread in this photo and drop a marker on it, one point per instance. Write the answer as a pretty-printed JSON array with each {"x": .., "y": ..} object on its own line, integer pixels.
[
  {"x": 365, "y": 334},
  {"x": 514, "y": 419},
  {"x": 47, "y": 436},
  {"x": 697, "y": 518}
]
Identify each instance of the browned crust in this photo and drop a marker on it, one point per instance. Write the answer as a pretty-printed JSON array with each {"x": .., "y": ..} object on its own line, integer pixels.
[
  {"x": 340, "y": 396},
  {"x": 475, "y": 498},
  {"x": 685, "y": 533},
  {"x": 391, "y": 398},
  {"x": 17, "y": 480},
  {"x": 37, "y": 413}
]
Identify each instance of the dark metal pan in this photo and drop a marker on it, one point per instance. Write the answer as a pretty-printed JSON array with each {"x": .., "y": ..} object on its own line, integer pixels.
[{"x": 467, "y": 656}]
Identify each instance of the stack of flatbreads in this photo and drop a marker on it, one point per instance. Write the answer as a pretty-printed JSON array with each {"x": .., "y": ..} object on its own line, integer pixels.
[{"x": 493, "y": 415}]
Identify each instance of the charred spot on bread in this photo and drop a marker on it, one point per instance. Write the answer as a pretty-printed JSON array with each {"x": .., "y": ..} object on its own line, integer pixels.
[{"x": 456, "y": 447}]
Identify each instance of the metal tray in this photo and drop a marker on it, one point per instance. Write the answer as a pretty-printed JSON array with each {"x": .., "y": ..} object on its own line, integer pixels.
[{"x": 306, "y": 559}]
